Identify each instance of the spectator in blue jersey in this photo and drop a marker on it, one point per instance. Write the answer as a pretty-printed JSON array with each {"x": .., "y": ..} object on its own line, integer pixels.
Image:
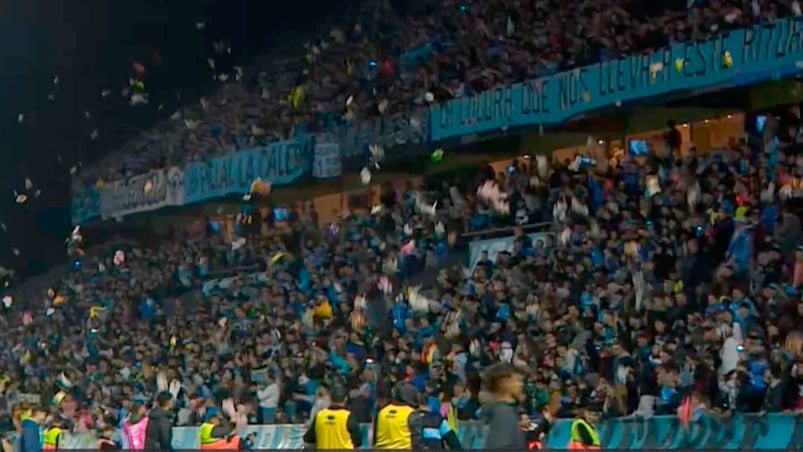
[{"x": 31, "y": 432}]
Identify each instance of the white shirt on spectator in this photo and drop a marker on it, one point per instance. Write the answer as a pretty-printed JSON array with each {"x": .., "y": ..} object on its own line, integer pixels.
[
  {"x": 729, "y": 354},
  {"x": 269, "y": 396}
]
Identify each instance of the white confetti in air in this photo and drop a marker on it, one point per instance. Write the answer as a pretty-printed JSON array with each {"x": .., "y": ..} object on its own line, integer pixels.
[
  {"x": 73, "y": 170},
  {"x": 210, "y": 62},
  {"x": 239, "y": 71},
  {"x": 56, "y": 80},
  {"x": 139, "y": 99},
  {"x": 15, "y": 251},
  {"x": 94, "y": 135},
  {"x": 148, "y": 186},
  {"x": 237, "y": 244},
  {"x": 105, "y": 93},
  {"x": 223, "y": 77},
  {"x": 160, "y": 107},
  {"x": 3, "y": 226},
  {"x": 8, "y": 301},
  {"x": 192, "y": 125},
  {"x": 20, "y": 197},
  {"x": 349, "y": 100},
  {"x": 365, "y": 176},
  {"x": 20, "y": 118},
  {"x": 377, "y": 153},
  {"x": 28, "y": 183},
  {"x": 87, "y": 115},
  {"x": 51, "y": 97},
  {"x": 37, "y": 193},
  {"x": 204, "y": 103},
  {"x": 176, "y": 116},
  {"x": 200, "y": 25}
]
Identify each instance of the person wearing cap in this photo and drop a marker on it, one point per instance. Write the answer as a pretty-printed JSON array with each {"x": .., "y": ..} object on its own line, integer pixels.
[
  {"x": 213, "y": 435},
  {"x": 334, "y": 427},
  {"x": 436, "y": 432},
  {"x": 399, "y": 424},
  {"x": 582, "y": 434}
]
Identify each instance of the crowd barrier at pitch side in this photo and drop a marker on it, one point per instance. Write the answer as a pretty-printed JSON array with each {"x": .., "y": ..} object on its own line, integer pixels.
[{"x": 772, "y": 431}]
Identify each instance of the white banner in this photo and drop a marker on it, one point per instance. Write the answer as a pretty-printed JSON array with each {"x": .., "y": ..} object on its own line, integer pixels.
[
  {"x": 224, "y": 283},
  {"x": 326, "y": 160},
  {"x": 143, "y": 193},
  {"x": 495, "y": 246}
]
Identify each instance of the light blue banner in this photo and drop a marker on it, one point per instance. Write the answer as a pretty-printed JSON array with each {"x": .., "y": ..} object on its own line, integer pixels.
[
  {"x": 85, "y": 205},
  {"x": 354, "y": 137},
  {"x": 279, "y": 163},
  {"x": 761, "y": 53},
  {"x": 496, "y": 246},
  {"x": 739, "y": 432}
]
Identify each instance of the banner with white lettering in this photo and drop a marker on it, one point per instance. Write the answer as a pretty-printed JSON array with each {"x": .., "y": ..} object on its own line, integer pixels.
[
  {"x": 326, "y": 162},
  {"x": 143, "y": 193},
  {"x": 280, "y": 163}
]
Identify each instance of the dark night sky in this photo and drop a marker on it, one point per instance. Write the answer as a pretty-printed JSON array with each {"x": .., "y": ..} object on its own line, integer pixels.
[{"x": 90, "y": 45}]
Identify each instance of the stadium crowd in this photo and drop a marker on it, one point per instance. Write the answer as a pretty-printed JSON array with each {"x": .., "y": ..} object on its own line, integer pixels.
[
  {"x": 397, "y": 57},
  {"x": 668, "y": 276}
]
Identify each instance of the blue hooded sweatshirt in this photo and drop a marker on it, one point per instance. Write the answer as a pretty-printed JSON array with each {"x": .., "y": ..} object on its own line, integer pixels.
[{"x": 31, "y": 436}]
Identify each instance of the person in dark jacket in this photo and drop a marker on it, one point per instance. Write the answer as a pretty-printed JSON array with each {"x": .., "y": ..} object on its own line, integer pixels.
[
  {"x": 31, "y": 431},
  {"x": 503, "y": 384},
  {"x": 105, "y": 441},
  {"x": 536, "y": 428},
  {"x": 159, "y": 434},
  {"x": 774, "y": 397},
  {"x": 437, "y": 433}
]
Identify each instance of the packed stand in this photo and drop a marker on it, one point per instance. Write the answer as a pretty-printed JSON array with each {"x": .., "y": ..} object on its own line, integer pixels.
[
  {"x": 397, "y": 57},
  {"x": 93, "y": 342},
  {"x": 670, "y": 279}
]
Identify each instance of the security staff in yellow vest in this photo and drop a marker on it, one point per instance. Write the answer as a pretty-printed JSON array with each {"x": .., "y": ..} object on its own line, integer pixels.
[
  {"x": 52, "y": 437},
  {"x": 213, "y": 435},
  {"x": 334, "y": 427},
  {"x": 582, "y": 434},
  {"x": 399, "y": 425}
]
